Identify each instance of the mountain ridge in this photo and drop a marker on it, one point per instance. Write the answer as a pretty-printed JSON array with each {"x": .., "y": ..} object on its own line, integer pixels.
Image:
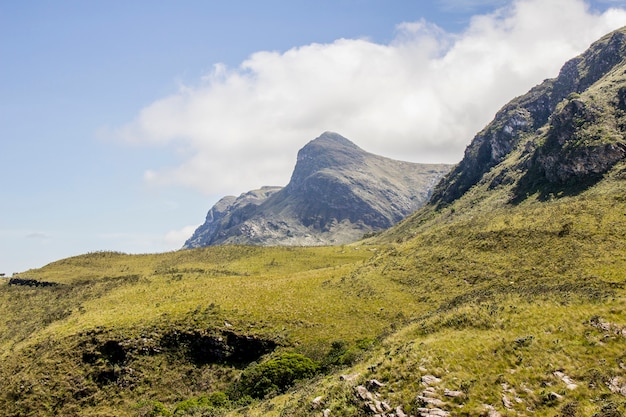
[
  {"x": 503, "y": 297},
  {"x": 337, "y": 193},
  {"x": 524, "y": 115}
]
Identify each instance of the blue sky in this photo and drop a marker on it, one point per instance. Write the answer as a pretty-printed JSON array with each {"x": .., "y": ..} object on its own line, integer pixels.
[{"x": 121, "y": 123}]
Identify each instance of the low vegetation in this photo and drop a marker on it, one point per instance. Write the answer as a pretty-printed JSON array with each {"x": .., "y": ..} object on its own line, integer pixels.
[
  {"x": 503, "y": 306},
  {"x": 505, "y": 297}
]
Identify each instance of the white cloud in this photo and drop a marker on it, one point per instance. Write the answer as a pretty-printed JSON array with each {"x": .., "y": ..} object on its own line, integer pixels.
[
  {"x": 176, "y": 238},
  {"x": 147, "y": 242},
  {"x": 421, "y": 97}
]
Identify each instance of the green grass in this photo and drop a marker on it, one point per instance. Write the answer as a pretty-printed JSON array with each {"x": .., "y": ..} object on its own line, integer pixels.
[
  {"x": 503, "y": 298},
  {"x": 512, "y": 296},
  {"x": 299, "y": 298},
  {"x": 490, "y": 297}
]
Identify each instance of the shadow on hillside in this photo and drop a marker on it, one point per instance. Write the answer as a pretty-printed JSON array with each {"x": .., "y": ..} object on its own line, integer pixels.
[{"x": 533, "y": 183}]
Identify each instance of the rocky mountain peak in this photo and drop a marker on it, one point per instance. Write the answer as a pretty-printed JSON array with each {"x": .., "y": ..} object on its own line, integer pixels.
[
  {"x": 331, "y": 140},
  {"x": 328, "y": 151},
  {"x": 519, "y": 120},
  {"x": 337, "y": 193}
]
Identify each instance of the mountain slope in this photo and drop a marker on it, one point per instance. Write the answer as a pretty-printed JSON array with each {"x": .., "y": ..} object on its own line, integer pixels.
[
  {"x": 517, "y": 123},
  {"x": 517, "y": 265},
  {"x": 504, "y": 300},
  {"x": 337, "y": 193}
]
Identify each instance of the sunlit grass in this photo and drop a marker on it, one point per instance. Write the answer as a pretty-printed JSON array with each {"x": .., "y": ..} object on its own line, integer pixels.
[{"x": 488, "y": 297}]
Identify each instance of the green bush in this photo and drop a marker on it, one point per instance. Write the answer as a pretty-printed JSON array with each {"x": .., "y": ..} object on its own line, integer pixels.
[
  {"x": 343, "y": 354},
  {"x": 206, "y": 406},
  {"x": 159, "y": 410},
  {"x": 274, "y": 376}
]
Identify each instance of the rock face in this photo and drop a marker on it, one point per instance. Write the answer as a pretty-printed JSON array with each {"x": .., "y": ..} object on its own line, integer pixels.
[
  {"x": 337, "y": 193},
  {"x": 568, "y": 131}
]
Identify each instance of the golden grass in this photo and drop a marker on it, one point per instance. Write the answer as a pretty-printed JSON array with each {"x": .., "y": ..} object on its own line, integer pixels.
[{"x": 487, "y": 296}]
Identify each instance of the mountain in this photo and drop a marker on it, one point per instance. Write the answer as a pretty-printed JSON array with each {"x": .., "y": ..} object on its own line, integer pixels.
[
  {"x": 567, "y": 132},
  {"x": 503, "y": 296},
  {"x": 337, "y": 193}
]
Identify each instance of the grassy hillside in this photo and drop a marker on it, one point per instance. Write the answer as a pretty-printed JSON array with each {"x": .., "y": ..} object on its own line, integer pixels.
[
  {"x": 509, "y": 306},
  {"x": 518, "y": 310},
  {"x": 504, "y": 297},
  {"x": 119, "y": 329}
]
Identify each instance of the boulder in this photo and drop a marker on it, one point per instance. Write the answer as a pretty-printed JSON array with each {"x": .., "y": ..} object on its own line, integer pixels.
[{"x": 430, "y": 380}]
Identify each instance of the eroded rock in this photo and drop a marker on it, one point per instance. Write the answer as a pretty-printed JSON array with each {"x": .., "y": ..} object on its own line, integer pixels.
[
  {"x": 374, "y": 385},
  {"x": 432, "y": 412},
  {"x": 363, "y": 393},
  {"x": 569, "y": 383},
  {"x": 430, "y": 380},
  {"x": 453, "y": 394},
  {"x": 317, "y": 402},
  {"x": 424, "y": 401},
  {"x": 617, "y": 385}
]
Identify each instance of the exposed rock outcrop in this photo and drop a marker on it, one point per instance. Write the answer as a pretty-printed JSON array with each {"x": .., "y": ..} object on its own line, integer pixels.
[
  {"x": 337, "y": 193},
  {"x": 27, "y": 282},
  {"x": 571, "y": 137},
  {"x": 198, "y": 346}
]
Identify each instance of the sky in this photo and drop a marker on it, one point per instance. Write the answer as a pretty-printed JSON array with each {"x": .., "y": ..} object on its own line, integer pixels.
[{"x": 122, "y": 123}]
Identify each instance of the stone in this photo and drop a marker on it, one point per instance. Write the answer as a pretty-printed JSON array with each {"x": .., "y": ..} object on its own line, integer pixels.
[
  {"x": 433, "y": 412},
  {"x": 506, "y": 402},
  {"x": 617, "y": 385},
  {"x": 430, "y": 380},
  {"x": 381, "y": 406},
  {"x": 430, "y": 401},
  {"x": 400, "y": 412},
  {"x": 430, "y": 392},
  {"x": 374, "y": 385},
  {"x": 317, "y": 402},
  {"x": 569, "y": 383},
  {"x": 553, "y": 396},
  {"x": 608, "y": 327},
  {"x": 491, "y": 411},
  {"x": 363, "y": 393},
  {"x": 453, "y": 394}
]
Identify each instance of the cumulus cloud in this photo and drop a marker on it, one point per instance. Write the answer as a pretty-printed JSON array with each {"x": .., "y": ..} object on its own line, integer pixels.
[
  {"x": 176, "y": 238},
  {"x": 421, "y": 97},
  {"x": 144, "y": 242}
]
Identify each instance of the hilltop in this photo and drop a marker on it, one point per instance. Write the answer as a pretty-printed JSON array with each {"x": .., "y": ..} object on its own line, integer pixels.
[
  {"x": 503, "y": 296},
  {"x": 561, "y": 136},
  {"x": 337, "y": 193}
]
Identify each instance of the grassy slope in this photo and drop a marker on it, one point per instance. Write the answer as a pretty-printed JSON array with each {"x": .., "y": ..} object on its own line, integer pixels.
[
  {"x": 493, "y": 302},
  {"x": 508, "y": 298},
  {"x": 504, "y": 298},
  {"x": 492, "y": 298},
  {"x": 297, "y": 297}
]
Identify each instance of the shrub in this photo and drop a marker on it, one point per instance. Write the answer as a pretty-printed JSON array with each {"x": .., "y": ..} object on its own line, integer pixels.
[
  {"x": 274, "y": 376},
  {"x": 609, "y": 409},
  {"x": 159, "y": 410},
  {"x": 342, "y": 354},
  {"x": 212, "y": 405},
  {"x": 569, "y": 410}
]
